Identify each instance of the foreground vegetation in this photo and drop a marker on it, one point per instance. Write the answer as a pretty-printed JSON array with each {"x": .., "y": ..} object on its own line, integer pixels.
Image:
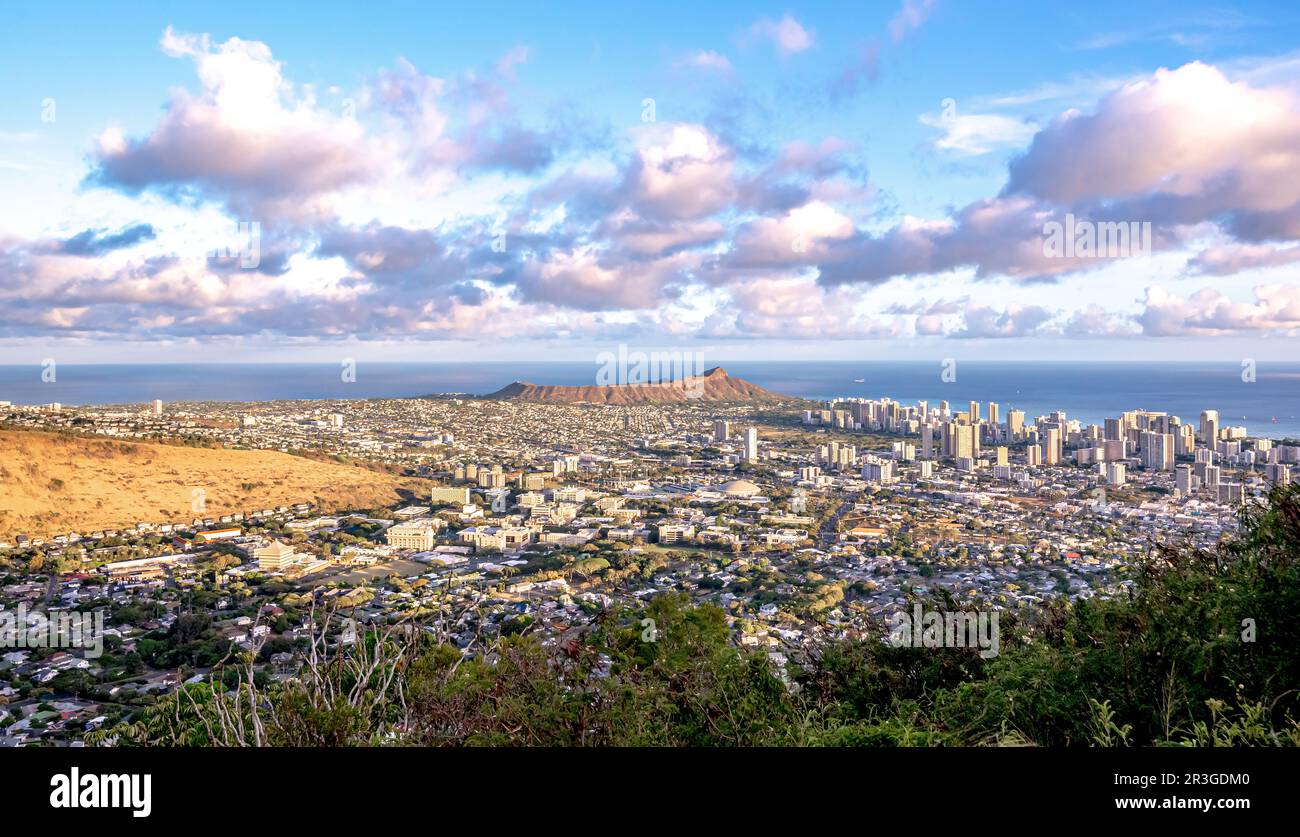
[{"x": 1202, "y": 651}]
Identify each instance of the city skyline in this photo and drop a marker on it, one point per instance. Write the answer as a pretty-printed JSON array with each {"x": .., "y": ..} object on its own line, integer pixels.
[{"x": 769, "y": 182}]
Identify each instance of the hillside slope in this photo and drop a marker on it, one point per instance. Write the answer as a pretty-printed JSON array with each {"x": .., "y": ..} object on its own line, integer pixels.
[
  {"x": 713, "y": 385},
  {"x": 51, "y": 484}
]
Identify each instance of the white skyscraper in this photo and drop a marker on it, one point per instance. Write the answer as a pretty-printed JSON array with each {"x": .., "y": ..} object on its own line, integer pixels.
[{"x": 751, "y": 444}]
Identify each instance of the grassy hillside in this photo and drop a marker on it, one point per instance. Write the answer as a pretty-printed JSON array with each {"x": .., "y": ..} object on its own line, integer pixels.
[{"x": 52, "y": 483}]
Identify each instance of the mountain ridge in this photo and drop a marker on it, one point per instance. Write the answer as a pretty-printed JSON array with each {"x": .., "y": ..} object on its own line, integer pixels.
[{"x": 713, "y": 385}]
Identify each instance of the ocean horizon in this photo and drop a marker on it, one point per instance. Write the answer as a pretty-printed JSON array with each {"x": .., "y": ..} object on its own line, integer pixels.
[{"x": 1087, "y": 390}]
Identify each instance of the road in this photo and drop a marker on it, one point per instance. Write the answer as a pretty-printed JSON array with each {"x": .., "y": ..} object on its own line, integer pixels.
[{"x": 829, "y": 533}]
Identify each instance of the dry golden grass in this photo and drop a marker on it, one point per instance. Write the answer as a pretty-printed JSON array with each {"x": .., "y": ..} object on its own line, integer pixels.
[{"x": 51, "y": 484}]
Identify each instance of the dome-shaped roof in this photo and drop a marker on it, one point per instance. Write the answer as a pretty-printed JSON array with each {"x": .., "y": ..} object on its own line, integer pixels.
[{"x": 739, "y": 488}]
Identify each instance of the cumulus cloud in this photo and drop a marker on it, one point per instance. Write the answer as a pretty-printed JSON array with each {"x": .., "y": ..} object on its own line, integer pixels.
[
  {"x": 1209, "y": 313},
  {"x": 585, "y": 279},
  {"x": 796, "y": 238},
  {"x": 1231, "y": 259},
  {"x": 1095, "y": 321},
  {"x": 680, "y": 171},
  {"x": 642, "y": 238},
  {"x": 379, "y": 214},
  {"x": 999, "y": 237},
  {"x": 395, "y": 257},
  {"x": 1180, "y": 147},
  {"x": 247, "y": 138},
  {"x": 1013, "y": 321},
  {"x": 787, "y": 35},
  {"x": 796, "y": 309}
]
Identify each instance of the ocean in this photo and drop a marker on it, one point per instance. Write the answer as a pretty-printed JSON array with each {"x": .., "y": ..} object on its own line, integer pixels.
[{"x": 1090, "y": 391}]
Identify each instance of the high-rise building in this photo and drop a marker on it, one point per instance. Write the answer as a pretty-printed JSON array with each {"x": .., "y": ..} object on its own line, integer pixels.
[
  {"x": 1209, "y": 434},
  {"x": 157, "y": 407},
  {"x": 751, "y": 444},
  {"x": 974, "y": 412},
  {"x": 1157, "y": 451},
  {"x": 1114, "y": 473},
  {"x": 1015, "y": 425},
  {"x": 964, "y": 446},
  {"x": 1051, "y": 445},
  {"x": 721, "y": 431},
  {"x": 879, "y": 471}
]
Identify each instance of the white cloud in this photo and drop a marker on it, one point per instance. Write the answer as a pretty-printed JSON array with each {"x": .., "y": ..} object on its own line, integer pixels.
[
  {"x": 787, "y": 34},
  {"x": 707, "y": 60},
  {"x": 909, "y": 17},
  {"x": 1208, "y": 312},
  {"x": 978, "y": 133}
]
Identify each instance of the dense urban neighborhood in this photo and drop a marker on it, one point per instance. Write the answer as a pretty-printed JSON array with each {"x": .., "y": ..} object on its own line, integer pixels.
[{"x": 803, "y": 521}]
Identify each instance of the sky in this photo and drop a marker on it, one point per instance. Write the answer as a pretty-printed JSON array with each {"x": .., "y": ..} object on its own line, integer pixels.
[{"x": 883, "y": 180}]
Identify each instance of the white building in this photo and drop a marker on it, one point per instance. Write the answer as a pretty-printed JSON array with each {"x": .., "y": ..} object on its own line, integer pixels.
[{"x": 419, "y": 534}]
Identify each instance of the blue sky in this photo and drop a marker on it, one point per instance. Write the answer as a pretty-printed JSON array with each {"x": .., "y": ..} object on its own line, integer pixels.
[{"x": 744, "y": 180}]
